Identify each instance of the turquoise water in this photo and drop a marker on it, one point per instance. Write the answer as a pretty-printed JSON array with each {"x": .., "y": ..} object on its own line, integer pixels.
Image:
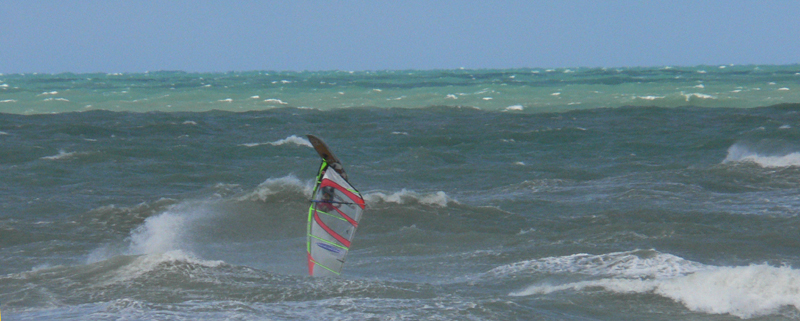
[
  {"x": 528, "y": 90},
  {"x": 525, "y": 206}
]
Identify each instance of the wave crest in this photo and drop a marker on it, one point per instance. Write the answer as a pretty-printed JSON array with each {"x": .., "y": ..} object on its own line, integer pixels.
[
  {"x": 739, "y": 153},
  {"x": 61, "y": 155},
  {"x": 273, "y": 186},
  {"x": 191, "y": 226},
  {"x": 404, "y": 196},
  {"x": 742, "y": 291},
  {"x": 130, "y": 268},
  {"x": 634, "y": 264},
  {"x": 299, "y": 141}
]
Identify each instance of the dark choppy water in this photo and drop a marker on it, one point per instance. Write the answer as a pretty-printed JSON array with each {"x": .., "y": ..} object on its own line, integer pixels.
[{"x": 500, "y": 212}]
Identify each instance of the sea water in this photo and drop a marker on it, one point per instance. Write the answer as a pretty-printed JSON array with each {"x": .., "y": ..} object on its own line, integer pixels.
[{"x": 528, "y": 194}]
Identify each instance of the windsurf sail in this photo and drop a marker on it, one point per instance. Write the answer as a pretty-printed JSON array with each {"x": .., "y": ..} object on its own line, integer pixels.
[{"x": 336, "y": 208}]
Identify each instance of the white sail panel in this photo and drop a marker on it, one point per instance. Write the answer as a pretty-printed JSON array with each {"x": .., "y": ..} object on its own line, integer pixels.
[{"x": 333, "y": 219}]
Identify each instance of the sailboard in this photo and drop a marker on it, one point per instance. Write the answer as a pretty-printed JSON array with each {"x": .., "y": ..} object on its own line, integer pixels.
[{"x": 336, "y": 208}]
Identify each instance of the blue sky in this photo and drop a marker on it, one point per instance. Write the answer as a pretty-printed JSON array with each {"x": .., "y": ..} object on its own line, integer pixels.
[{"x": 198, "y": 36}]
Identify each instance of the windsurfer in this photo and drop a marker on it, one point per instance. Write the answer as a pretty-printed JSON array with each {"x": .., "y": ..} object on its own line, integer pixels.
[{"x": 326, "y": 203}]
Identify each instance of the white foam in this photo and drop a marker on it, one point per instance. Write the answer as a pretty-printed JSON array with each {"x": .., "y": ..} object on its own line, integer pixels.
[
  {"x": 783, "y": 88},
  {"x": 8, "y": 101},
  {"x": 700, "y": 86},
  {"x": 514, "y": 108},
  {"x": 226, "y": 100},
  {"x": 451, "y": 96},
  {"x": 288, "y": 140},
  {"x": 275, "y": 101},
  {"x": 697, "y": 95},
  {"x": 487, "y": 98},
  {"x": 61, "y": 155},
  {"x": 403, "y": 196},
  {"x": 190, "y": 122},
  {"x": 162, "y": 233},
  {"x": 400, "y": 133},
  {"x": 255, "y": 97},
  {"x": 3, "y": 85},
  {"x": 650, "y": 97},
  {"x": 3, "y": 133},
  {"x": 175, "y": 229},
  {"x": 743, "y": 291},
  {"x": 629, "y": 264},
  {"x": 170, "y": 236},
  {"x": 739, "y": 153},
  {"x": 555, "y": 94},
  {"x": 784, "y": 127},
  {"x": 523, "y": 232}
]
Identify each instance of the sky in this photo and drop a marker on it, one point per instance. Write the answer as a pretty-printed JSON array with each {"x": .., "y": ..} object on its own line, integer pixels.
[{"x": 219, "y": 36}]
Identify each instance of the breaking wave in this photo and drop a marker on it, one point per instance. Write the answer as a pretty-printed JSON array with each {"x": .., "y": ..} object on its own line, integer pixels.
[
  {"x": 742, "y": 291},
  {"x": 739, "y": 153},
  {"x": 237, "y": 228},
  {"x": 633, "y": 264},
  {"x": 406, "y": 196},
  {"x": 61, "y": 155}
]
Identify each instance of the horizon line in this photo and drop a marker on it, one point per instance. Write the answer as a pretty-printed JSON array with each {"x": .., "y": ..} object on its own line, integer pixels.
[{"x": 720, "y": 66}]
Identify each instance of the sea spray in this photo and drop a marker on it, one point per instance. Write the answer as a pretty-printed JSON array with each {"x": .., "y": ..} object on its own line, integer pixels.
[{"x": 740, "y": 153}]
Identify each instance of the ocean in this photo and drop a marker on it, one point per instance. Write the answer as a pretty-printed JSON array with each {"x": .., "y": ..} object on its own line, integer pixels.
[{"x": 524, "y": 194}]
